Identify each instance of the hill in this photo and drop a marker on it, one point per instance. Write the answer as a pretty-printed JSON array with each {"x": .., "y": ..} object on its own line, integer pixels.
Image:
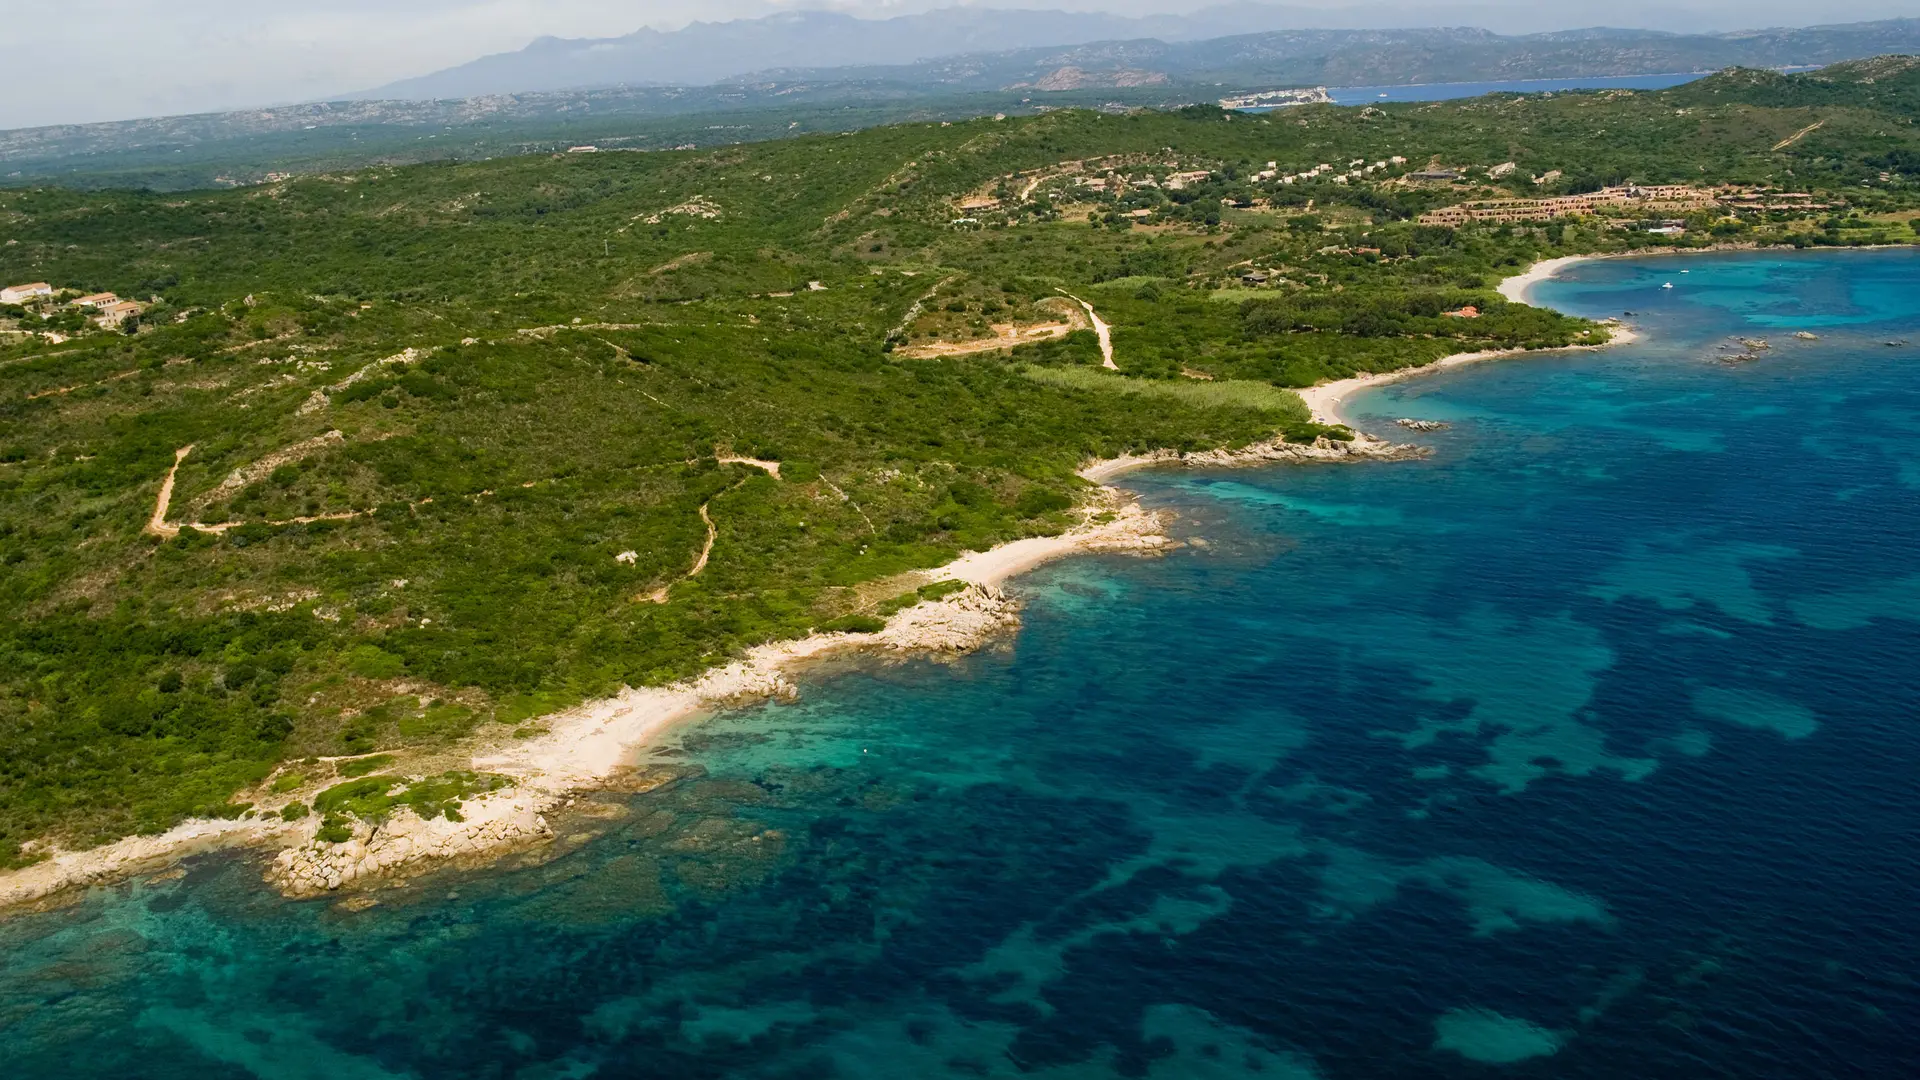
[
  {"x": 1884, "y": 82},
  {"x": 399, "y": 455},
  {"x": 171, "y": 153}
]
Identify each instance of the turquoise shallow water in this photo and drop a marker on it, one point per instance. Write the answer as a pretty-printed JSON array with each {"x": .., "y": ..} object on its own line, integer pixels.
[{"x": 1584, "y": 748}]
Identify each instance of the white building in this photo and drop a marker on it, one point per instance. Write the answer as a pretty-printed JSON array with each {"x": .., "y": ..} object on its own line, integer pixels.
[{"x": 14, "y": 294}]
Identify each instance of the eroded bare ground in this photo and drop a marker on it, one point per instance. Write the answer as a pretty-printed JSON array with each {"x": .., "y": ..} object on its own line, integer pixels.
[{"x": 1007, "y": 335}]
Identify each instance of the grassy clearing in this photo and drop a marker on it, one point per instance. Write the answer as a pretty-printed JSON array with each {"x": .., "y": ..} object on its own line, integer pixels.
[{"x": 1218, "y": 394}]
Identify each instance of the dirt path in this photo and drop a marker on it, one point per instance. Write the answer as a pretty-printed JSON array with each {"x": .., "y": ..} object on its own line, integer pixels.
[
  {"x": 772, "y": 467},
  {"x": 548, "y": 331},
  {"x": 1010, "y": 335},
  {"x": 1005, "y": 336},
  {"x": 82, "y": 386},
  {"x": 157, "y": 525},
  {"x": 706, "y": 549},
  {"x": 248, "y": 474},
  {"x": 913, "y": 312},
  {"x": 1798, "y": 135},
  {"x": 1101, "y": 328},
  {"x": 659, "y": 595}
]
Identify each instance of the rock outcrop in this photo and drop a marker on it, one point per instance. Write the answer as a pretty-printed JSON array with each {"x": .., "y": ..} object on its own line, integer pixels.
[{"x": 491, "y": 826}]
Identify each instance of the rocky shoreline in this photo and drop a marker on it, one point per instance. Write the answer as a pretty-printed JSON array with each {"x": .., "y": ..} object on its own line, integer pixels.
[{"x": 592, "y": 746}]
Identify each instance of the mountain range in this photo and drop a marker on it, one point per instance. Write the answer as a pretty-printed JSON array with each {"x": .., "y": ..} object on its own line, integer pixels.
[
  {"x": 1373, "y": 57},
  {"x": 248, "y": 145},
  {"x": 704, "y": 53}
]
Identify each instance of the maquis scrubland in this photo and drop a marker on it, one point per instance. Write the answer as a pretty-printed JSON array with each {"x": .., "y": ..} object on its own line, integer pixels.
[{"x": 361, "y": 462}]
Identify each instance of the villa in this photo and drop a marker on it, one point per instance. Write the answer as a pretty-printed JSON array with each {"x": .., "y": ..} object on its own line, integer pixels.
[{"x": 14, "y": 294}]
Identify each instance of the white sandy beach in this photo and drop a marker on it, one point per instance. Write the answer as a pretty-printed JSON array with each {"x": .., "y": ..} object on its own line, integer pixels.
[
  {"x": 1516, "y": 288},
  {"x": 1324, "y": 401}
]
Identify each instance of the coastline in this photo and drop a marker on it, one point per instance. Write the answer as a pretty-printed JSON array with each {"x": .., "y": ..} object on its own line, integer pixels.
[
  {"x": 590, "y": 746},
  {"x": 1324, "y": 400},
  {"x": 594, "y": 745}
]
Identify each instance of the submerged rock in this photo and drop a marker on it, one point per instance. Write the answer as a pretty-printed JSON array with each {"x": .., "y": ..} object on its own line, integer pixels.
[{"x": 1422, "y": 425}]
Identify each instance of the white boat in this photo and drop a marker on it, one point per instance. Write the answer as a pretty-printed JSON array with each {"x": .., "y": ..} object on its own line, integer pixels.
[{"x": 1668, "y": 285}]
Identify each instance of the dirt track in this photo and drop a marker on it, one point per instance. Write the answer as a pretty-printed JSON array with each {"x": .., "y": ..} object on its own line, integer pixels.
[{"x": 1010, "y": 335}]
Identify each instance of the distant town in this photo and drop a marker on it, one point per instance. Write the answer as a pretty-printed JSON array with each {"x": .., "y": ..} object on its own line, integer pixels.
[{"x": 1148, "y": 190}]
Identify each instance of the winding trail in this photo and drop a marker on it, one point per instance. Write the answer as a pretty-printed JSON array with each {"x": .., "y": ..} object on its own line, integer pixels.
[
  {"x": 246, "y": 475},
  {"x": 706, "y": 549},
  {"x": 659, "y": 595}
]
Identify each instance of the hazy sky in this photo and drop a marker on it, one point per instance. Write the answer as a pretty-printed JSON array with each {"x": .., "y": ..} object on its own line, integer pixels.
[{"x": 84, "y": 60}]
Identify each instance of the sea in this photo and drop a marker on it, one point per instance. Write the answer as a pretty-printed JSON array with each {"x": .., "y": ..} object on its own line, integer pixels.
[
  {"x": 1373, "y": 95},
  {"x": 1585, "y": 747},
  {"x": 1369, "y": 95}
]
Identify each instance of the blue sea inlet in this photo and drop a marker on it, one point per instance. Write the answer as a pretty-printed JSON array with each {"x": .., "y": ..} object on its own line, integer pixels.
[{"x": 1584, "y": 748}]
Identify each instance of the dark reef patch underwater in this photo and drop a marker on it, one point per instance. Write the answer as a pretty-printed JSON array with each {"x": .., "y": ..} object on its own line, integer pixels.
[{"x": 1585, "y": 748}]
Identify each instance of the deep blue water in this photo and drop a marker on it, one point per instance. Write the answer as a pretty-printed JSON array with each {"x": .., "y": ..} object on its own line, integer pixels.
[{"x": 1584, "y": 748}]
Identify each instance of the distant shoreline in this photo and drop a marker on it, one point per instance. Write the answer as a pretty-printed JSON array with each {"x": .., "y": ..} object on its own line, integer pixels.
[{"x": 1325, "y": 400}]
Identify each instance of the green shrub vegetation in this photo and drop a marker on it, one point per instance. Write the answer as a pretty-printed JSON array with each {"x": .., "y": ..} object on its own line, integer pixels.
[
  {"x": 363, "y": 766},
  {"x": 535, "y": 366},
  {"x": 373, "y": 798},
  {"x": 854, "y": 624}
]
